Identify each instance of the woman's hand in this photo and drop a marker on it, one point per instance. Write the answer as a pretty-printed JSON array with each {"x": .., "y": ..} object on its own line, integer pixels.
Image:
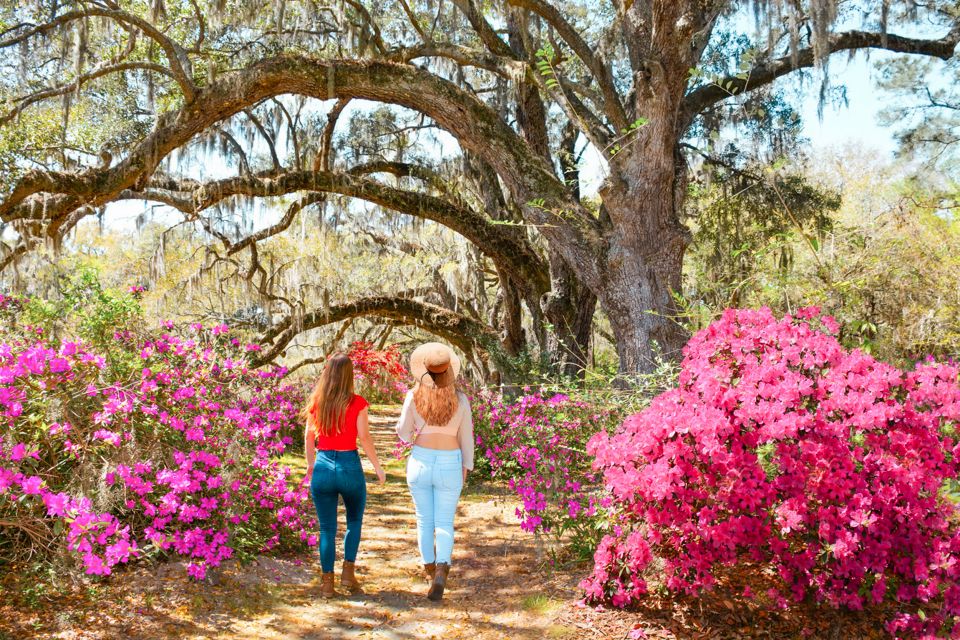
[
  {"x": 381, "y": 476},
  {"x": 465, "y": 472},
  {"x": 307, "y": 477}
]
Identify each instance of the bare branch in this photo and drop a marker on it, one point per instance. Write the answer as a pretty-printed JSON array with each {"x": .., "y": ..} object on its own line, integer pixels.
[
  {"x": 765, "y": 73},
  {"x": 180, "y": 66},
  {"x": 324, "y": 159},
  {"x": 370, "y": 22},
  {"x": 201, "y": 25},
  {"x": 294, "y": 139},
  {"x": 237, "y": 148},
  {"x": 501, "y": 242},
  {"x": 462, "y": 331},
  {"x": 503, "y": 66},
  {"x": 304, "y": 363},
  {"x": 266, "y": 136},
  {"x": 25, "y": 101},
  {"x": 486, "y": 33},
  {"x": 611, "y": 104},
  {"x": 414, "y": 22},
  {"x": 404, "y": 170}
]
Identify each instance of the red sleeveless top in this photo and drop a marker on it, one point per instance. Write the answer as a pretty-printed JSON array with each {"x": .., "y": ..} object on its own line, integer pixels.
[{"x": 346, "y": 440}]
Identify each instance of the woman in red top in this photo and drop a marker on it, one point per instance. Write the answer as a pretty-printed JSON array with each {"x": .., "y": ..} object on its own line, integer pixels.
[{"x": 336, "y": 417}]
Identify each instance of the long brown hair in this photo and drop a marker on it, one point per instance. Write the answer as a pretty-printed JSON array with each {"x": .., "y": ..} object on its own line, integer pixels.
[
  {"x": 331, "y": 396},
  {"x": 436, "y": 404}
]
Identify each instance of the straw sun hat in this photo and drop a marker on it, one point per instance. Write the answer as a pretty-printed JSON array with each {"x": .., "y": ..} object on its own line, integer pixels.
[{"x": 435, "y": 364}]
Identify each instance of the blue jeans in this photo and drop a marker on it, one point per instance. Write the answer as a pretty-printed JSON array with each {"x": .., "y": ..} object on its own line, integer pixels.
[
  {"x": 435, "y": 478},
  {"x": 338, "y": 474}
]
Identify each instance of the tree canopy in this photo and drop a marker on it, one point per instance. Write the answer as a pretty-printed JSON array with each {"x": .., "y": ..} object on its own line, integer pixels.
[{"x": 474, "y": 116}]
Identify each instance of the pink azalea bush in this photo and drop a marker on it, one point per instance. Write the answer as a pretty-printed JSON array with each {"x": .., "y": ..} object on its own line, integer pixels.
[
  {"x": 168, "y": 446},
  {"x": 780, "y": 447},
  {"x": 537, "y": 444}
]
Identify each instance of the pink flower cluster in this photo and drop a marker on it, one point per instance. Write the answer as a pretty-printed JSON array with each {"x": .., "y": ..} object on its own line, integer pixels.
[
  {"x": 536, "y": 443},
  {"x": 175, "y": 439},
  {"x": 781, "y": 447}
]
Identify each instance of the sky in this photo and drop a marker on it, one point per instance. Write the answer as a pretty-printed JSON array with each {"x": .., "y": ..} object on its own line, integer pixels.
[{"x": 856, "y": 122}]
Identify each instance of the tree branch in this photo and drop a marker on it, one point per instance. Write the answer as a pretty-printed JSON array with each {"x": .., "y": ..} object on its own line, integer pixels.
[
  {"x": 304, "y": 363},
  {"x": 600, "y": 71},
  {"x": 180, "y": 66},
  {"x": 703, "y": 97},
  {"x": 370, "y": 22},
  {"x": 463, "y": 332},
  {"x": 324, "y": 159},
  {"x": 63, "y": 89},
  {"x": 501, "y": 242},
  {"x": 548, "y": 203},
  {"x": 414, "y": 22},
  {"x": 483, "y": 29},
  {"x": 266, "y": 136},
  {"x": 288, "y": 217},
  {"x": 403, "y": 170},
  {"x": 503, "y": 66}
]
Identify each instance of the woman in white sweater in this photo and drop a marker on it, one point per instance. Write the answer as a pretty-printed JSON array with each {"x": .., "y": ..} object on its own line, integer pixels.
[{"x": 436, "y": 418}]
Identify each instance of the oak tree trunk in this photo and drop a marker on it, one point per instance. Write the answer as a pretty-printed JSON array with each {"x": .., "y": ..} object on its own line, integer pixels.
[{"x": 643, "y": 199}]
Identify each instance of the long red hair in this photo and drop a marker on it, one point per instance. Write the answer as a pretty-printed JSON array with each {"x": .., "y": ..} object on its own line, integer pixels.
[
  {"x": 330, "y": 397},
  {"x": 436, "y": 404}
]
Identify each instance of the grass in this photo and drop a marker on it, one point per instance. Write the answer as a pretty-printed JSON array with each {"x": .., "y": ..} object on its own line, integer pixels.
[
  {"x": 388, "y": 409},
  {"x": 298, "y": 467},
  {"x": 560, "y": 631},
  {"x": 539, "y": 603}
]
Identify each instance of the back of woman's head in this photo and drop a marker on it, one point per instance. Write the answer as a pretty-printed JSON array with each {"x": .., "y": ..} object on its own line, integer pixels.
[
  {"x": 435, "y": 367},
  {"x": 331, "y": 396}
]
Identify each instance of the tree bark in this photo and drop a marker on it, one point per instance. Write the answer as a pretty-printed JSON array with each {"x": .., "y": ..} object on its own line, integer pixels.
[
  {"x": 509, "y": 317},
  {"x": 569, "y": 308},
  {"x": 569, "y": 305},
  {"x": 644, "y": 194}
]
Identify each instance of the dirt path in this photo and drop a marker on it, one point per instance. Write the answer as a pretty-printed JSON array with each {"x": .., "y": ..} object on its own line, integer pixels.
[{"x": 495, "y": 590}]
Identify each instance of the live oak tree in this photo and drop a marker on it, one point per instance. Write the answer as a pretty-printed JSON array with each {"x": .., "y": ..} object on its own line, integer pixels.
[{"x": 521, "y": 85}]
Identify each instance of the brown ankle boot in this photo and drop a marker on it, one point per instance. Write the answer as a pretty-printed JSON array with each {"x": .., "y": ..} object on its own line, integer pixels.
[
  {"x": 430, "y": 570},
  {"x": 439, "y": 582},
  {"x": 326, "y": 585},
  {"x": 348, "y": 579}
]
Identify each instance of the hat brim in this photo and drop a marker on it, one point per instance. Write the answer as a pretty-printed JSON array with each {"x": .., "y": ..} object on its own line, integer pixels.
[{"x": 418, "y": 366}]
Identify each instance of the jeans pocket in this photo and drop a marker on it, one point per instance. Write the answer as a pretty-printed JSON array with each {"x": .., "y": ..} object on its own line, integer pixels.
[
  {"x": 355, "y": 478},
  {"x": 323, "y": 477},
  {"x": 450, "y": 477},
  {"x": 415, "y": 472}
]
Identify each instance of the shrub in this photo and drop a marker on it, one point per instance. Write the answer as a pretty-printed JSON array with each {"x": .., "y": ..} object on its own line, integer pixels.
[
  {"x": 379, "y": 373},
  {"x": 178, "y": 455},
  {"x": 537, "y": 444},
  {"x": 781, "y": 447}
]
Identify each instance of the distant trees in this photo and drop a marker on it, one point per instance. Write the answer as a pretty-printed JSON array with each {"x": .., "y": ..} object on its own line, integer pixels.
[{"x": 873, "y": 242}]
